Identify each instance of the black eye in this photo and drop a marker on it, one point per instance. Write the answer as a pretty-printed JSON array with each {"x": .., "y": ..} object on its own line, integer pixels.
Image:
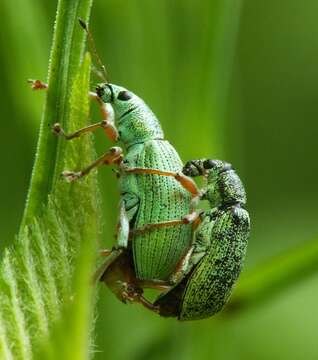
[{"x": 124, "y": 95}]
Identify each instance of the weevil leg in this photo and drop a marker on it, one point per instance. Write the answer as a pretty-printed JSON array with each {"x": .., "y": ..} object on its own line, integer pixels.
[
  {"x": 113, "y": 156},
  {"x": 184, "y": 180},
  {"x": 122, "y": 243},
  {"x": 147, "y": 304},
  {"x": 115, "y": 253},
  {"x": 107, "y": 124},
  {"x": 192, "y": 218},
  {"x": 123, "y": 227},
  {"x": 183, "y": 267},
  {"x": 37, "y": 84},
  {"x": 161, "y": 285},
  {"x": 105, "y": 252},
  {"x": 191, "y": 258}
]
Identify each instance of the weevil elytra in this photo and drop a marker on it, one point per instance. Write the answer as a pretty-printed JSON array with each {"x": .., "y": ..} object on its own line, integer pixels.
[{"x": 218, "y": 250}]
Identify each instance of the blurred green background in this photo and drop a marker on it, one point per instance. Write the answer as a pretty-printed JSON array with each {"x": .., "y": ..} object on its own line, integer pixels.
[{"x": 228, "y": 79}]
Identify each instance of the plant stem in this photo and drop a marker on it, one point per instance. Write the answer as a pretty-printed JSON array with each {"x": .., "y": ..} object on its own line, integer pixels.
[{"x": 66, "y": 54}]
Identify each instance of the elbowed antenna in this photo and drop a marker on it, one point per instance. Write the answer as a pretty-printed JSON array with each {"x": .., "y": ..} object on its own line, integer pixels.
[{"x": 102, "y": 74}]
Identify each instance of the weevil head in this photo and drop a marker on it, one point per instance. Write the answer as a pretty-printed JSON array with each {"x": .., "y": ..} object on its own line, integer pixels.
[
  {"x": 135, "y": 122},
  {"x": 224, "y": 185}
]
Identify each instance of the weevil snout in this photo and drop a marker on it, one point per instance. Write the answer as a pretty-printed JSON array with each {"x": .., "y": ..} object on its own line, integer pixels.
[
  {"x": 100, "y": 90},
  {"x": 105, "y": 92}
]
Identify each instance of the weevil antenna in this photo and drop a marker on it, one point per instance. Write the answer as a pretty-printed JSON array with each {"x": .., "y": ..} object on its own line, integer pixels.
[{"x": 103, "y": 74}]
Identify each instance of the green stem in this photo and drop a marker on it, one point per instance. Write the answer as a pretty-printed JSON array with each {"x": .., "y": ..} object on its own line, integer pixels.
[
  {"x": 66, "y": 54},
  {"x": 45, "y": 277},
  {"x": 272, "y": 278}
]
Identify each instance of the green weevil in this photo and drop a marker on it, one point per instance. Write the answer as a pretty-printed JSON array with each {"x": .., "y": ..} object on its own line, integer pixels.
[
  {"x": 155, "y": 197},
  {"x": 216, "y": 257}
]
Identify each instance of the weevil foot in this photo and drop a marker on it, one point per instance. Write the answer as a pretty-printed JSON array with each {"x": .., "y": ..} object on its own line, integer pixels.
[
  {"x": 57, "y": 129},
  {"x": 37, "y": 84},
  {"x": 71, "y": 176},
  {"x": 105, "y": 252},
  {"x": 133, "y": 294}
]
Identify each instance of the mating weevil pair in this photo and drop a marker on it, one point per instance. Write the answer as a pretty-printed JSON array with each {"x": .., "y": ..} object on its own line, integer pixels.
[{"x": 163, "y": 242}]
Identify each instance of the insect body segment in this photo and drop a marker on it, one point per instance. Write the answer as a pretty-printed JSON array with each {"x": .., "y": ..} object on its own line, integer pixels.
[{"x": 219, "y": 247}]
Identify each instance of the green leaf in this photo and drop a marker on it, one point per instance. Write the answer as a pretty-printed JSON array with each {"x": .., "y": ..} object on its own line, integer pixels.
[{"x": 45, "y": 278}]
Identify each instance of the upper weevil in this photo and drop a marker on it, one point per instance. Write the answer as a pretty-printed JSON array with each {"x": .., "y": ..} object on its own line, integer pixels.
[
  {"x": 155, "y": 203},
  {"x": 155, "y": 197}
]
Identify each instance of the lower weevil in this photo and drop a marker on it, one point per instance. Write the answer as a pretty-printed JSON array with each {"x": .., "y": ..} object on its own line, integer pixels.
[{"x": 219, "y": 247}]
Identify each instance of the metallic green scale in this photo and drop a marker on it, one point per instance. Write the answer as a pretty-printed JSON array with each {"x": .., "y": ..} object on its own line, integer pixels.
[
  {"x": 219, "y": 248},
  {"x": 149, "y": 198}
]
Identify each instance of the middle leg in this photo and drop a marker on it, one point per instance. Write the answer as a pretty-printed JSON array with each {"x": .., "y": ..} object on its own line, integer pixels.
[
  {"x": 192, "y": 218},
  {"x": 184, "y": 180}
]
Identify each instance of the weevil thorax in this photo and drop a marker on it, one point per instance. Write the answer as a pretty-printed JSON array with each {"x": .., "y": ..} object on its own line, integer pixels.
[
  {"x": 135, "y": 122},
  {"x": 224, "y": 186}
]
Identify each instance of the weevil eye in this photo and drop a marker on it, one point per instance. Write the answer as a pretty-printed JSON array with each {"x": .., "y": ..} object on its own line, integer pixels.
[
  {"x": 105, "y": 92},
  {"x": 124, "y": 95}
]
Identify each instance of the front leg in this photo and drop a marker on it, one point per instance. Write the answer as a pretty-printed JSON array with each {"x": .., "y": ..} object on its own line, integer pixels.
[
  {"x": 107, "y": 123},
  {"x": 111, "y": 157},
  {"x": 122, "y": 236}
]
